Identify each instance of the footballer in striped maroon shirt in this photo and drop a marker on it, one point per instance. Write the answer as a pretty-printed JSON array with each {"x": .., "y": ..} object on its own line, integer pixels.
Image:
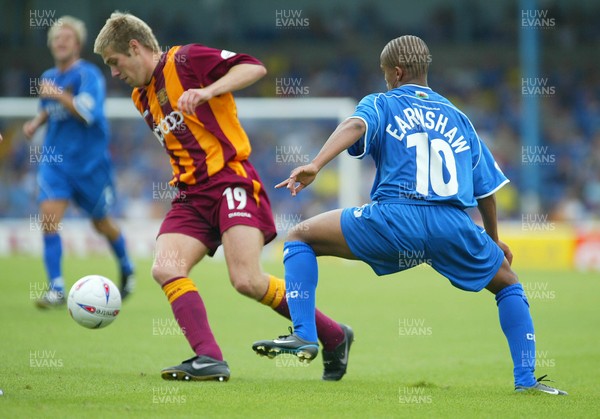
[{"x": 185, "y": 97}]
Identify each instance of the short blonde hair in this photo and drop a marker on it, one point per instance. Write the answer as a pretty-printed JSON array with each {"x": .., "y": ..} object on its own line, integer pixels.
[
  {"x": 408, "y": 52},
  {"x": 72, "y": 22},
  {"x": 119, "y": 29}
]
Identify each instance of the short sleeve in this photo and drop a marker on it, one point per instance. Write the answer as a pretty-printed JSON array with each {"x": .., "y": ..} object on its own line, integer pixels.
[
  {"x": 366, "y": 111},
  {"x": 487, "y": 175},
  {"x": 89, "y": 100},
  {"x": 209, "y": 64}
]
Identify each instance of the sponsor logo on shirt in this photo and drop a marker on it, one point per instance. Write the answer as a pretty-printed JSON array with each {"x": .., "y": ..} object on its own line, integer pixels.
[{"x": 170, "y": 123}]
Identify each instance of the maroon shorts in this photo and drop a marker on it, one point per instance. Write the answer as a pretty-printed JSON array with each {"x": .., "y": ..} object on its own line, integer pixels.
[{"x": 228, "y": 199}]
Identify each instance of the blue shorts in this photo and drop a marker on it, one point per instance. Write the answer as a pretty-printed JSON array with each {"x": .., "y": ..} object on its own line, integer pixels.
[
  {"x": 93, "y": 193},
  {"x": 392, "y": 237}
]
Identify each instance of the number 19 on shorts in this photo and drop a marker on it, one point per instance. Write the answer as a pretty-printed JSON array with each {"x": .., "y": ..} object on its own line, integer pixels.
[{"x": 236, "y": 198}]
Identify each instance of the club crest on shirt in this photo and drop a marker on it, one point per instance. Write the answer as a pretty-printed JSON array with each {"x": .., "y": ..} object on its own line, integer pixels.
[{"x": 162, "y": 97}]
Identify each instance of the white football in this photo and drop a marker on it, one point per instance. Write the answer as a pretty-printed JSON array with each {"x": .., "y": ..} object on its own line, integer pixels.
[{"x": 94, "y": 301}]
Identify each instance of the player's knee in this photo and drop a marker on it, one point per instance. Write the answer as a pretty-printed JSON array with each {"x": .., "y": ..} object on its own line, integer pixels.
[
  {"x": 105, "y": 227},
  {"x": 98, "y": 225},
  {"x": 157, "y": 273},
  {"x": 245, "y": 284},
  {"x": 162, "y": 272},
  {"x": 50, "y": 224},
  {"x": 298, "y": 233},
  {"x": 507, "y": 275},
  {"x": 503, "y": 278}
]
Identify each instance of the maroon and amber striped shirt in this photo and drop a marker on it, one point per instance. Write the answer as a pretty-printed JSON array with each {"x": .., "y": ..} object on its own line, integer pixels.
[{"x": 201, "y": 144}]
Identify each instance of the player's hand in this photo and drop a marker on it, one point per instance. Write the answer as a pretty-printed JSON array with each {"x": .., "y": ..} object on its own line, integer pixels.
[
  {"x": 30, "y": 127},
  {"x": 506, "y": 250},
  {"x": 192, "y": 98},
  {"x": 300, "y": 178}
]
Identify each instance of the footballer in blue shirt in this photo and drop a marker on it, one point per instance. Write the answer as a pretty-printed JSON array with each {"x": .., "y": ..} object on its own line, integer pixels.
[
  {"x": 431, "y": 166},
  {"x": 73, "y": 163}
]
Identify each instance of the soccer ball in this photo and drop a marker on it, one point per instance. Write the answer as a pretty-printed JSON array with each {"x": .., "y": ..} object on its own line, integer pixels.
[{"x": 94, "y": 301}]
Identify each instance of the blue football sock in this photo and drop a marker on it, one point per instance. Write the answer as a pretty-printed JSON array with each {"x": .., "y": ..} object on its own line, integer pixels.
[
  {"x": 120, "y": 251},
  {"x": 52, "y": 259},
  {"x": 516, "y": 323},
  {"x": 301, "y": 277}
]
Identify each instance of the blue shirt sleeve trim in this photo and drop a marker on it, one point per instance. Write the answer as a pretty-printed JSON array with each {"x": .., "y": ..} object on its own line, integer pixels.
[
  {"x": 83, "y": 104},
  {"x": 493, "y": 191},
  {"x": 363, "y": 139}
]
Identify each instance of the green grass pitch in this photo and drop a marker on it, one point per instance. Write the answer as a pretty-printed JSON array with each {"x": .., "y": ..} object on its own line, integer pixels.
[{"x": 422, "y": 349}]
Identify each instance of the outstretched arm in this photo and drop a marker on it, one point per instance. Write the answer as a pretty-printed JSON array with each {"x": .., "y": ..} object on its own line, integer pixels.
[
  {"x": 238, "y": 77},
  {"x": 487, "y": 208},
  {"x": 346, "y": 134}
]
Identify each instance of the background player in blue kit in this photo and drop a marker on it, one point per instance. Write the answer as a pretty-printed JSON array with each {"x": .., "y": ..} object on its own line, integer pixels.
[
  {"x": 431, "y": 166},
  {"x": 74, "y": 163}
]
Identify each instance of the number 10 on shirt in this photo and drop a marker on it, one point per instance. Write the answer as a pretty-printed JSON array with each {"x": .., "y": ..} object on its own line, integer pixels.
[{"x": 431, "y": 165}]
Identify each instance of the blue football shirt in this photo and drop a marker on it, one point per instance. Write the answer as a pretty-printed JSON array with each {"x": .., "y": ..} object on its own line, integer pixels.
[
  {"x": 80, "y": 146},
  {"x": 426, "y": 150}
]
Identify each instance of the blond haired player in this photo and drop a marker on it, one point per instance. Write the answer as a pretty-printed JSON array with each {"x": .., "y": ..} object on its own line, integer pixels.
[
  {"x": 75, "y": 164},
  {"x": 185, "y": 97}
]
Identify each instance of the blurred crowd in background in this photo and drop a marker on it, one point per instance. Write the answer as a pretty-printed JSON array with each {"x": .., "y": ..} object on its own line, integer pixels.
[{"x": 334, "y": 52}]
